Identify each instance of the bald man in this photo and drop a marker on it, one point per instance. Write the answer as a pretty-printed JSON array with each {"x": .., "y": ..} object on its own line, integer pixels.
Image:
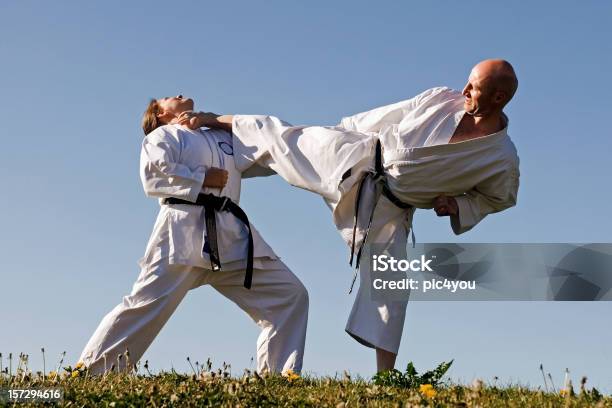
[
  {"x": 491, "y": 85},
  {"x": 442, "y": 149}
]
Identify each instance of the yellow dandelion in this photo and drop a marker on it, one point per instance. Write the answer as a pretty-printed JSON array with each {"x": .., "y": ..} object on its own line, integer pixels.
[
  {"x": 563, "y": 392},
  {"x": 291, "y": 375},
  {"x": 51, "y": 375},
  {"x": 427, "y": 390},
  {"x": 79, "y": 365},
  {"x": 75, "y": 373}
]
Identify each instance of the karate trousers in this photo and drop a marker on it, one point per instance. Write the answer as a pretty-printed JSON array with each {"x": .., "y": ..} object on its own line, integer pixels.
[
  {"x": 379, "y": 323},
  {"x": 277, "y": 302}
]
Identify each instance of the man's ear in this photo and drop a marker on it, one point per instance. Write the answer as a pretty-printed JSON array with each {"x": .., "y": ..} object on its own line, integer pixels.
[{"x": 500, "y": 97}]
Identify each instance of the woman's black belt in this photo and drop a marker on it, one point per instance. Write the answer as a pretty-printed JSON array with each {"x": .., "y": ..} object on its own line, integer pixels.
[{"x": 212, "y": 204}]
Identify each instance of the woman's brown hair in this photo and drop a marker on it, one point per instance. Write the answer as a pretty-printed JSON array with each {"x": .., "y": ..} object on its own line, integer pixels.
[{"x": 150, "y": 121}]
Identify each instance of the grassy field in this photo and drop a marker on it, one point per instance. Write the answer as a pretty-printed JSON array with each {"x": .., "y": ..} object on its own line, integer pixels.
[{"x": 218, "y": 388}]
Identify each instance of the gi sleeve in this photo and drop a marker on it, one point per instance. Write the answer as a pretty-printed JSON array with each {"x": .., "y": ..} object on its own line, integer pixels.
[
  {"x": 161, "y": 171},
  {"x": 258, "y": 171},
  {"x": 376, "y": 119},
  {"x": 495, "y": 194}
]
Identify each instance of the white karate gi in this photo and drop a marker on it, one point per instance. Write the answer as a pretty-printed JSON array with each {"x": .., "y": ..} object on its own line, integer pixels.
[
  {"x": 174, "y": 161},
  {"x": 482, "y": 174}
]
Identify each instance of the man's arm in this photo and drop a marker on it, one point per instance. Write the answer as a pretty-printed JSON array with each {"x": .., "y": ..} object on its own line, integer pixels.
[
  {"x": 376, "y": 119},
  {"x": 467, "y": 210}
]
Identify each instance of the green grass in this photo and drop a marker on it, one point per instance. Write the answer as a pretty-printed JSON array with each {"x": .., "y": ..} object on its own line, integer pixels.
[{"x": 250, "y": 390}]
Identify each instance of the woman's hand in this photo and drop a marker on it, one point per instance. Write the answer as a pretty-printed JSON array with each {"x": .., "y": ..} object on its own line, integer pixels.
[
  {"x": 195, "y": 120},
  {"x": 215, "y": 178}
]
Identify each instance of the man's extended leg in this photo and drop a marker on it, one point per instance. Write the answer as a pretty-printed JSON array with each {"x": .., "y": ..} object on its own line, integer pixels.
[
  {"x": 378, "y": 324},
  {"x": 133, "y": 324},
  {"x": 278, "y": 303}
]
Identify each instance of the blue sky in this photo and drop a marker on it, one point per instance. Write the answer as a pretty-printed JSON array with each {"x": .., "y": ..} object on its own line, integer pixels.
[{"x": 76, "y": 77}]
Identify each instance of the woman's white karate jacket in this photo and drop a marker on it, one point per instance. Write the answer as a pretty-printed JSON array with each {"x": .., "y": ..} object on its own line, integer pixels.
[{"x": 171, "y": 166}]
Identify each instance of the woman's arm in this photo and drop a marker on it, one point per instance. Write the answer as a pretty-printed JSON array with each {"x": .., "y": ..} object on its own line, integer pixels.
[{"x": 163, "y": 175}]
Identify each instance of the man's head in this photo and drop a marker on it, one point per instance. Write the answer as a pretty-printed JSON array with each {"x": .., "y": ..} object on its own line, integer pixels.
[
  {"x": 164, "y": 111},
  {"x": 491, "y": 85}
]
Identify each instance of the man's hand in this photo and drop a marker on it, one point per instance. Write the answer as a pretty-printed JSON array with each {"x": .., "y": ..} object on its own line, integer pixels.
[
  {"x": 215, "y": 178},
  {"x": 195, "y": 120},
  {"x": 445, "y": 206}
]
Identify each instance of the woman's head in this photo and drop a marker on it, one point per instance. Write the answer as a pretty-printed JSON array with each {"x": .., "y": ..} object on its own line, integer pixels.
[{"x": 164, "y": 111}]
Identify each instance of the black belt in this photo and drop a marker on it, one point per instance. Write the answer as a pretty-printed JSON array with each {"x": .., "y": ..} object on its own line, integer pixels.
[
  {"x": 378, "y": 175},
  {"x": 212, "y": 204}
]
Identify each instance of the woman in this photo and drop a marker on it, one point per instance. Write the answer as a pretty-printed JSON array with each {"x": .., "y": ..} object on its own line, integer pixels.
[{"x": 200, "y": 237}]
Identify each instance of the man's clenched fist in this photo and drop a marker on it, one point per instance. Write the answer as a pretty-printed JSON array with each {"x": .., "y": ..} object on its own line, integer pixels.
[{"x": 444, "y": 206}]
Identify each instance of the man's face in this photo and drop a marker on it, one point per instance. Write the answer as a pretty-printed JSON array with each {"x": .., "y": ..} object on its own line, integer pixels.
[
  {"x": 479, "y": 98},
  {"x": 173, "y": 106}
]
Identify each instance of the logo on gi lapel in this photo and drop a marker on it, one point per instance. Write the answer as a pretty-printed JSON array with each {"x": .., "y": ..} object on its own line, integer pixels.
[{"x": 227, "y": 148}]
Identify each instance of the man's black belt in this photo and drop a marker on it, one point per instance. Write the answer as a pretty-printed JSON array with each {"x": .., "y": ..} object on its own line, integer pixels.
[
  {"x": 378, "y": 175},
  {"x": 212, "y": 204}
]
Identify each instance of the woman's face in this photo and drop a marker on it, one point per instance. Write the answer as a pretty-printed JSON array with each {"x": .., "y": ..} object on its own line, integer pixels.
[{"x": 172, "y": 106}]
